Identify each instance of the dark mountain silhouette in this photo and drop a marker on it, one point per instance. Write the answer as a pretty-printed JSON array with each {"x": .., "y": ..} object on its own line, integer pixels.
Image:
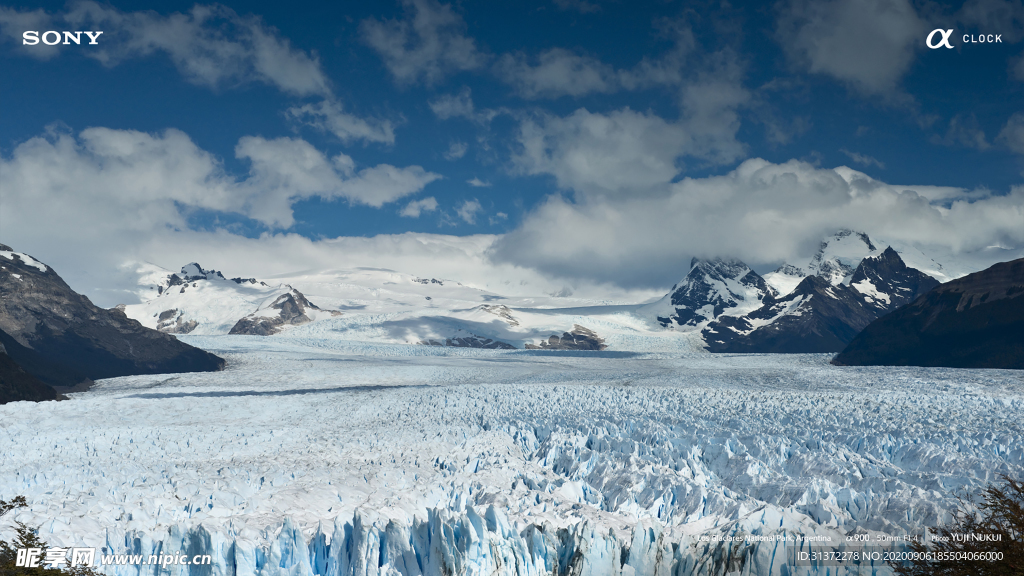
[{"x": 972, "y": 322}]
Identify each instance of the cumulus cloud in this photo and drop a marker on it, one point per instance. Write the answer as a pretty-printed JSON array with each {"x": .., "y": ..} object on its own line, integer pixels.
[
  {"x": 328, "y": 116},
  {"x": 428, "y": 45},
  {"x": 478, "y": 183},
  {"x": 868, "y": 45},
  {"x": 151, "y": 181},
  {"x": 87, "y": 203},
  {"x": 456, "y": 150},
  {"x": 468, "y": 210},
  {"x": 557, "y": 72},
  {"x": 285, "y": 170},
  {"x": 619, "y": 152},
  {"x": 461, "y": 105},
  {"x": 760, "y": 212},
  {"x": 415, "y": 208}
]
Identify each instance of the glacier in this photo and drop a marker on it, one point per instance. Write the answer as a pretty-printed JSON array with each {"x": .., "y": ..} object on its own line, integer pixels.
[{"x": 316, "y": 455}]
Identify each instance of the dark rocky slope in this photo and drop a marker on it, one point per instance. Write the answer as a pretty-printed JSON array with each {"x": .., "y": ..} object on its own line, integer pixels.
[
  {"x": 579, "y": 339},
  {"x": 61, "y": 338},
  {"x": 973, "y": 322}
]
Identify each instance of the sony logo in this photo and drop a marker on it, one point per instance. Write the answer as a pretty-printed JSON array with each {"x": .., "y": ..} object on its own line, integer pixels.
[{"x": 31, "y": 37}]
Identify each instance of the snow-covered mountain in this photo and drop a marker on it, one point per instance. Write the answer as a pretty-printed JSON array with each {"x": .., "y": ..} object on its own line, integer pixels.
[
  {"x": 711, "y": 288},
  {"x": 371, "y": 304},
  {"x": 839, "y": 255},
  {"x": 200, "y": 301},
  {"x": 818, "y": 316}
]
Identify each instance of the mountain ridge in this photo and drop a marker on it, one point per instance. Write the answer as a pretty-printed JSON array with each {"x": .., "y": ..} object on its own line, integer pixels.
[{"x": 972, "y": 322}]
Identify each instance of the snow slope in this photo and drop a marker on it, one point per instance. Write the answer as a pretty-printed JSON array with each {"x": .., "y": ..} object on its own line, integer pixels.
[
  {"x": 198, "y": 301},
  {"x": 312, "y": 454}
]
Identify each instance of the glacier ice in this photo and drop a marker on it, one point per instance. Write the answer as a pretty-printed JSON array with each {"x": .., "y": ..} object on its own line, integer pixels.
[{"x": 312, "y": 455}]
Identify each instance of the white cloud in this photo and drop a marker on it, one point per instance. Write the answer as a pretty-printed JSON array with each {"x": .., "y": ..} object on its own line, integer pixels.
[
  {"x": 151, "y": 181},
  {"x": 460, "y": 105},
  {"x": 329, "y": 116},
  {"x": 87, "y": 203},
  {"x": 760, "y": 212},
  {"x": 558, "y": 72},
  {"x": 210, "y": 45},
  {"x": 415, "y": 208},
  {"x": 867, "y": 44},
  {"x": 1012, "y": 134},
  {"x": 381, "y": 184},
  {"x": 478, "y": 183},
  {"x": 621, "y": 152},
  {"x": 469, "y": 210},
  {"x": 284, "y": 170},
  {"x": 428, "y": 45},
  {"x": 863, "y": 159},
  {"x": 456, "y": 150}
]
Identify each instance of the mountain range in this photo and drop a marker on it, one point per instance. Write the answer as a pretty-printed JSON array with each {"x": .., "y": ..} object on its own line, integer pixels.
[
  {"x": 200, "y": 301},
  {"x": 722, "y": 305},
  {"x": 816, "y": 306}
]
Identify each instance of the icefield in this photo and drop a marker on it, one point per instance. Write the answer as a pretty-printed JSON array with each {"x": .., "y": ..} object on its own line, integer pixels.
[{"x": 315, "y": 455}]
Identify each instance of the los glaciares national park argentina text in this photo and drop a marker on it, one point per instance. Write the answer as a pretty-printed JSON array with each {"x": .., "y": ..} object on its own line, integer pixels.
[{"x": 540, "y": 288}]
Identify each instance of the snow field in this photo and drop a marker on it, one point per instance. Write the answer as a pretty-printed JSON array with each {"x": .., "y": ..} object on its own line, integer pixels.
[{"x": 312, "y": 455}]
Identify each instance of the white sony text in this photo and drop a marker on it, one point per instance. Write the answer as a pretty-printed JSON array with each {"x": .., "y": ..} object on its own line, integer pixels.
[{"x": 32, "y": 37}]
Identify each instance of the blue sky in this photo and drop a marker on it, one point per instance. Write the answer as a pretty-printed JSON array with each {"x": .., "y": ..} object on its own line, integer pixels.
[{"x": 571, "y": 142}]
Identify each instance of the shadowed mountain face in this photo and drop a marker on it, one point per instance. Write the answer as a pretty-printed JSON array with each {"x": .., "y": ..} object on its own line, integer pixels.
[
  {"x": 973, "y": 322},
  {"x": 16, "y": 384},
  {"x": 818, "y": 316},
  {"x": 61, "y": 338}
]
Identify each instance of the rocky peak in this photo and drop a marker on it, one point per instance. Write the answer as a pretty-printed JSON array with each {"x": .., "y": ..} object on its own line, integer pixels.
[
  {"x": 886, "y": 282},
  {"x": 711, "y": 287},
  {"x": 290, "y": 308},
  {"x": 193, "y": 271},
  {"x": 838, "y": 256}
]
